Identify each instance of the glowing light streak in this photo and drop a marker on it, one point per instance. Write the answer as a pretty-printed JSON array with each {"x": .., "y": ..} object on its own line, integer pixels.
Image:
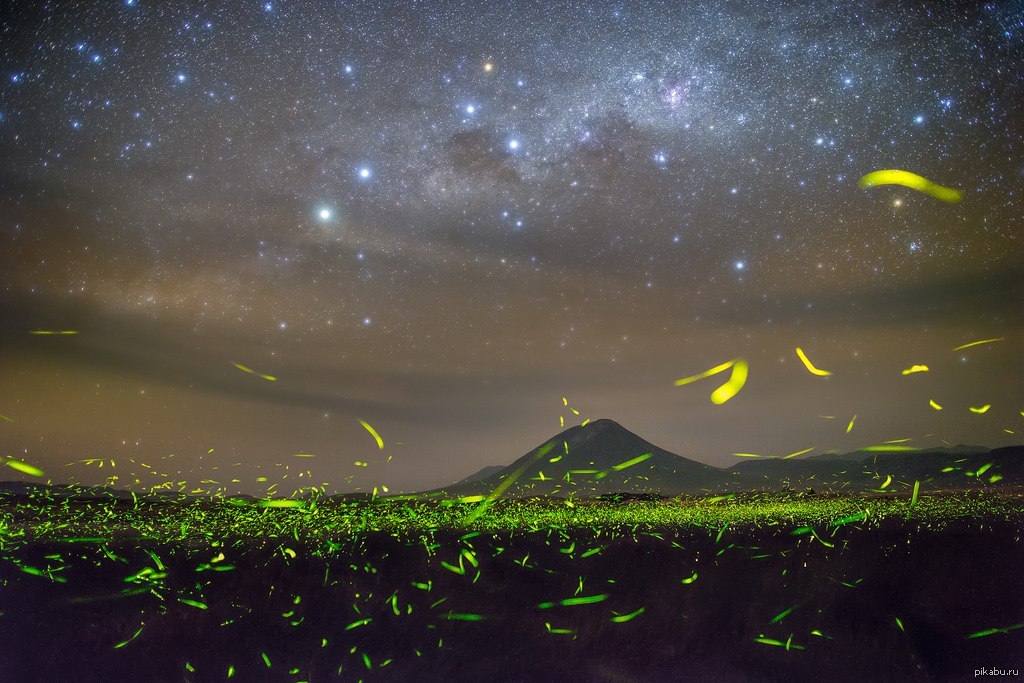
[
  {"x": 978, "y": 343},
  {"x": 374, "y": 434},
  {"x": 707, "y": 373},
  {"x": 24, "y": 468},
  {"x": 623, "y": 618},
  {"x": 911, "y": 180},
  {"x": 809, "y": 365},
  {"x": 629, "y": 463},
  {"x": 269, "y": 378},
  {"x": 733, "y": 386}
]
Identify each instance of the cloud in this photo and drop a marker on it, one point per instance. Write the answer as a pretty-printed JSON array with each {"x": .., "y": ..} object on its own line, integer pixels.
[
  {"x": 955, "y": 299},
  {"x": 478, "y": 153}
]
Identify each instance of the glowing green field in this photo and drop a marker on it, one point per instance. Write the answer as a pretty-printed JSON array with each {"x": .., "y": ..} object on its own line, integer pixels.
[
  {"x": 322, "y": 520},
  {"x": 736, "y": 588}
]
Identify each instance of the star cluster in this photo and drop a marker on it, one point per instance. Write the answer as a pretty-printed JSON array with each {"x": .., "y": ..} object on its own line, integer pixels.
[{"x": 441, "y": 217}]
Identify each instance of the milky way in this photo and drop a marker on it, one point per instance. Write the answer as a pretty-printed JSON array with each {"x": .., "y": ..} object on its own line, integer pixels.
[{"x": 443, "y": 217}]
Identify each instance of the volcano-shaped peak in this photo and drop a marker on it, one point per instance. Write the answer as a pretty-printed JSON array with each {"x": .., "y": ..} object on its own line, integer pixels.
[
  {"x": 597, "y": 457},
  {"x": 601, "y": 429},
  {"x": 603, "y": 442}
]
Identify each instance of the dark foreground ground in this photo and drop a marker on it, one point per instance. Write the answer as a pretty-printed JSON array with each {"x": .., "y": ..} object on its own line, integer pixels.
[{"x": 852, "y": 589}]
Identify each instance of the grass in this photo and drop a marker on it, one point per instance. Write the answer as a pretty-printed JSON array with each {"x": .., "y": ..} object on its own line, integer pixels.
[
  {"x": 719, "y": 587},
  {"x": 317, "y": 520}
]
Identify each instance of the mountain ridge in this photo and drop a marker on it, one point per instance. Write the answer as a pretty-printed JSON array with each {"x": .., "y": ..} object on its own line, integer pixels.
[
  {"x": 593, "y": 455},
  {"x": 590, "y": 459}
]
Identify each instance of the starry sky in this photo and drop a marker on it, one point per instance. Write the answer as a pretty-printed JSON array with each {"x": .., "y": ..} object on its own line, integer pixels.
[{"x": 441, "y": 218}]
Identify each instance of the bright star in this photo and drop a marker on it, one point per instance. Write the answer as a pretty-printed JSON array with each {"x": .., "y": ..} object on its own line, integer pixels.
[
  {"x": 365, "y": 172},
  {"x": 740, "y": 265},
  {"x": 513, "y": 144},
  {"x": 325, "y": 214}
]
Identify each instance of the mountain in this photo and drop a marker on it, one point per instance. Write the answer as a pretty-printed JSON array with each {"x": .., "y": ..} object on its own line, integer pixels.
[
  {"x": 603, "y": 457},
  {"x": 482, "y": 473},
  {"x": 941, "y": 468},
  {"x": 592, "y": 459},
  {"x": 50, "y": 492},
  {"x": 861, "y": 455}
]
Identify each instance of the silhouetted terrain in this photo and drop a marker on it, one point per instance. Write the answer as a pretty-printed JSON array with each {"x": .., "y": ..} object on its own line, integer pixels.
[
  {"x": 569, "y": 564},
  {"x": 897, "y": 599},
  {"x": 588, "y": 460},
  {"x": 583, "y": 460},
  {"x": 603, "y": 457}
]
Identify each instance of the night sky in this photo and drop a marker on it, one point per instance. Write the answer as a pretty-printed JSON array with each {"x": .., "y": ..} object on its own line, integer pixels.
[{"x": 441, "y": 218}]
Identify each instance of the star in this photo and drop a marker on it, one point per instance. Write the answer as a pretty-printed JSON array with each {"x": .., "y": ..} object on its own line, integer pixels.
[{"x": 279, "y": 204}]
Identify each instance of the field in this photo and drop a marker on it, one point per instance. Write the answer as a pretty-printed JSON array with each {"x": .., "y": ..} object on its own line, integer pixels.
[{"x": 749, "y": 587}]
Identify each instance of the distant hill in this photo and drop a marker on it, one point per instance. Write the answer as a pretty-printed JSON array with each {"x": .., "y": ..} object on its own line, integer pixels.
[
  {"x": 954, "y": 468},
  {"x": 604, "y": 458},
  {"x": 592, "y": 459},
  {"x": 37, "y": 491},
  {"x": 482, "y": 473},
  {"x": 861, "y": 455}
]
